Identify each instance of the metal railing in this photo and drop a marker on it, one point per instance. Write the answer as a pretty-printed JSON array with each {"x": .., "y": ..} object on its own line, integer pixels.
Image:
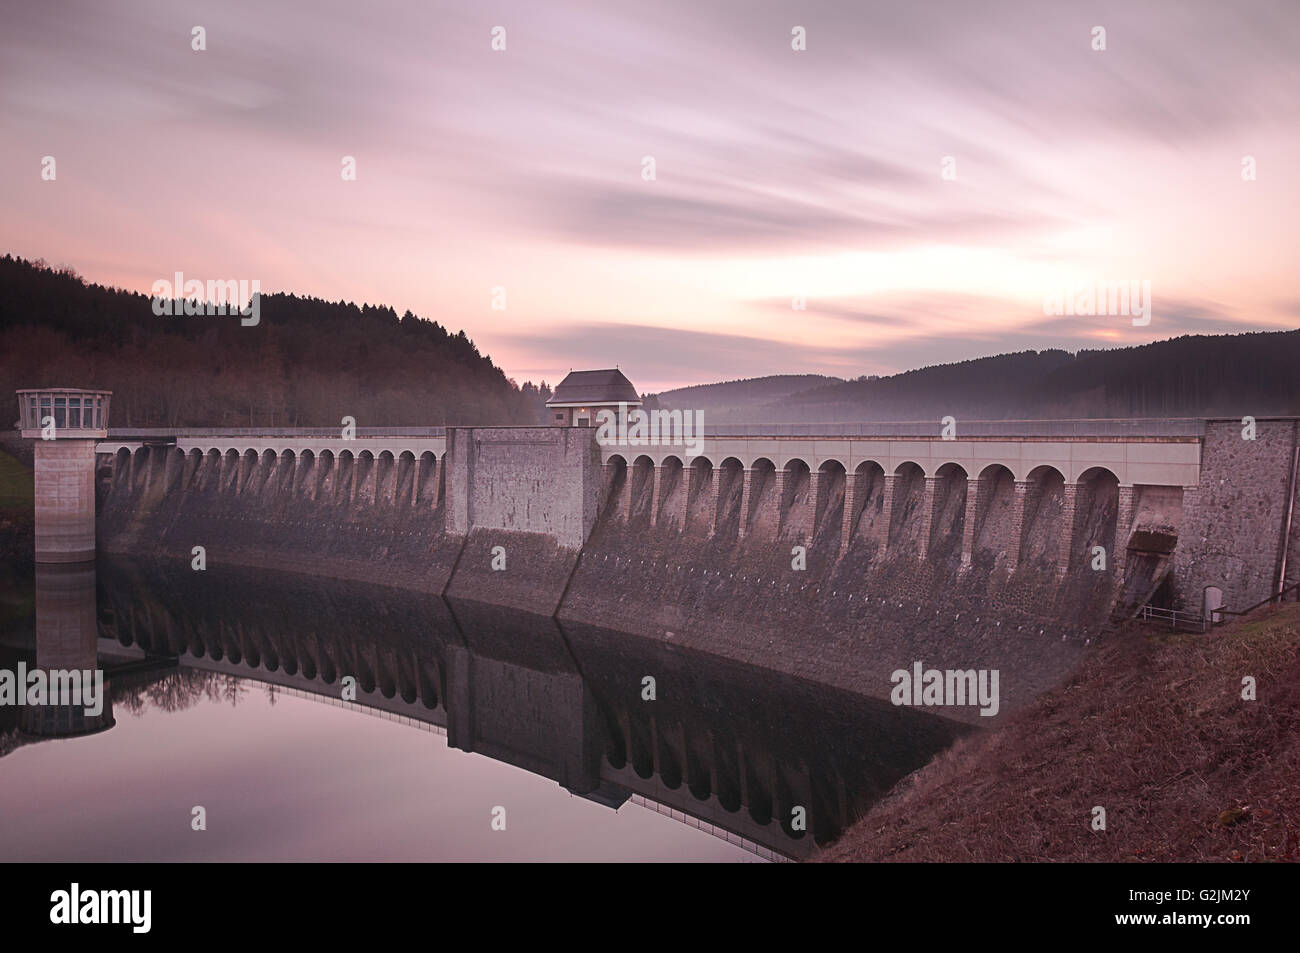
[
  {"x": 1098, "y": 427},
  {"x": 1275, "y": 597},
  {"x": 334, "y": 432},
  {"x": 1177, "y": 618}
]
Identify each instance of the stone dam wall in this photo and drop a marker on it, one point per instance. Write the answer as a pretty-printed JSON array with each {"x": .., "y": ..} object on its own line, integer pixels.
[{"x": 836, "y": 576}]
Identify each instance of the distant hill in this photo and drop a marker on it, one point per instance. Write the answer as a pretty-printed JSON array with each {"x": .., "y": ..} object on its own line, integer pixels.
[
  {"x": 308, "y": 362},
  {"x": 1228, "y": 375},
  {"x": 731, "y": 401}
]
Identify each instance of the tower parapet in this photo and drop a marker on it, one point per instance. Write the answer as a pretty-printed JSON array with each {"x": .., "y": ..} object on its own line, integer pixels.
[{"x": 65, "y": 422}]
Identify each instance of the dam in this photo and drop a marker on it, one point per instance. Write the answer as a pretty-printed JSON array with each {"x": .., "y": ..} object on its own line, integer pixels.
[{"x": 839, "y": 553}]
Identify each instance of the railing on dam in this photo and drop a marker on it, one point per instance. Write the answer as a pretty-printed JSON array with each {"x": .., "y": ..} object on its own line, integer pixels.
[
  {"x": 1096, "y": 427},
  {"x": 122, "y": 433}
]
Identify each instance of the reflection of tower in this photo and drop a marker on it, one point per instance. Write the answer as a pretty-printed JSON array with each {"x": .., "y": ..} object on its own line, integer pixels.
[
  {"x": 66, "y": 641},
  {"x": 65, "y": 422}
]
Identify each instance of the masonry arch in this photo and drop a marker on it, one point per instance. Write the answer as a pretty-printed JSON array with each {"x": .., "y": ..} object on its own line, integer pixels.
[
  {"x": 193, "y": 463},
  {"x": 796, "y": 516},
  {"x": 402, "y": 481},
  {"x": 615, "y": 471},
  {"x": 905, "y": 519},
  {"x": 731, "y": 482},
  {"x": 1096, "y": 511},
  {"x": 868, "y": 503},
  {"x": 1044, "y": 517},
  {"x": 763, "y": 514},
  {"x": 364, "y": 479},
  {"x": 304, "y": 477},
  {"x": 995, "y": 506},
  {"x": 139, "y": 469},
  {"x": 345, "y": 478},
  {"x": 948, "y": 517},
  {"x": 121, "y": 468},
  {"x": 426, "y": 481},
  {"x": 643, "y": 474},
  {"x": 385, "y": 477},
  {"x": 699, "y": 495},
  {"x": 671, "y": 490},
  {"x": 828, "y": 513}
]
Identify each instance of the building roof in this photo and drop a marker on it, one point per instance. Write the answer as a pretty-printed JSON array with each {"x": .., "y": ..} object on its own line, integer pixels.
[{"x": 607, "y": 386}]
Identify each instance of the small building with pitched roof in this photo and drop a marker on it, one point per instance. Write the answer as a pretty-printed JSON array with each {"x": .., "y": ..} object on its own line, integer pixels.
[{"x": 582, "y": 393}]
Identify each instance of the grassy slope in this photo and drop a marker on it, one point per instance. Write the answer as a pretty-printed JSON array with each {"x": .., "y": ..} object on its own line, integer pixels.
[
  {"x": 16, "y": 492},
  {"x": 17, "y": 525},
  {"x": 1153, "y": 728}
]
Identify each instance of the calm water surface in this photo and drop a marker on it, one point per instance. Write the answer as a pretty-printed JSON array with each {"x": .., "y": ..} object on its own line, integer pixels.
[{"x": 227, "y": 692}]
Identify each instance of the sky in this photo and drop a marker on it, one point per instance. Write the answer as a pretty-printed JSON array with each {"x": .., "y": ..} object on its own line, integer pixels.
[{"x": 922, "y": 175}]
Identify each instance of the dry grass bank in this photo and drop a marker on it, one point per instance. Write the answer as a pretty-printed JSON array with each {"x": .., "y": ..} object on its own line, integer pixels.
[{"x": 1154, "y": 729}]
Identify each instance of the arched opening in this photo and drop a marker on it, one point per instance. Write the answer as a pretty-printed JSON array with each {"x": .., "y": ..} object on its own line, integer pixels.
[
  {"x": 304, "y": 479},
  {"x": 385, "y": 477},
  {"x": 731, "y": 483},
  {"x": 286, "y": 473},
  {"x": 615, "y": 484},
  {"x": 762, "y": 518},
  {"x": 905, "y": 520},
  {"x": 247, "y": 470},
  {"x": 949, "y": 517},
  {"x": 1096, "y": 509},
  {"x": 121, "y": 468},
  {"x": 672, "y": 492},
  {"x": 426, "y": 481},
  {"x": 643, "y": 476},
  {"x": 345, "y": 477},
  {"x": 404, "y": 484},
  {"x": 868, "y": 501},
  {"x": 795, "y": 518},
  {"x": 828, "y": 521},
  {"x": 701, "y": 496},
  {"x": 193, "y": 464},
  {"x": 1212, "y": 605},
  {"x": 209, "y": 475},
  {"x": 364, "y": 480},
  {"x": 326, "y": 476},
  {"x": 995, "y": 506},
  {"x": 1043, "y": 522}
]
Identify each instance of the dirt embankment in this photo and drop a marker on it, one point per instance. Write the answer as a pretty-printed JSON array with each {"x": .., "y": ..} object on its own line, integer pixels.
[{"x": 1153, "y": 728}]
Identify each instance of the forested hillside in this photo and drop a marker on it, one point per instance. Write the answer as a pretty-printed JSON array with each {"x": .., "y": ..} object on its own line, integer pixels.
[
  {"x": 1222, "y": 375},
  {"x": 308, "y": 362}
]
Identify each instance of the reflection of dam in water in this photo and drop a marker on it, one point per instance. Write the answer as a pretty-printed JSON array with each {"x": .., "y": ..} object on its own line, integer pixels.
[{"x": 726, "y": 746}]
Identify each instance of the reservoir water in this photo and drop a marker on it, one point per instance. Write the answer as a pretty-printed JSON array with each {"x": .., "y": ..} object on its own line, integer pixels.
[{"x": 301, "y": 718}]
